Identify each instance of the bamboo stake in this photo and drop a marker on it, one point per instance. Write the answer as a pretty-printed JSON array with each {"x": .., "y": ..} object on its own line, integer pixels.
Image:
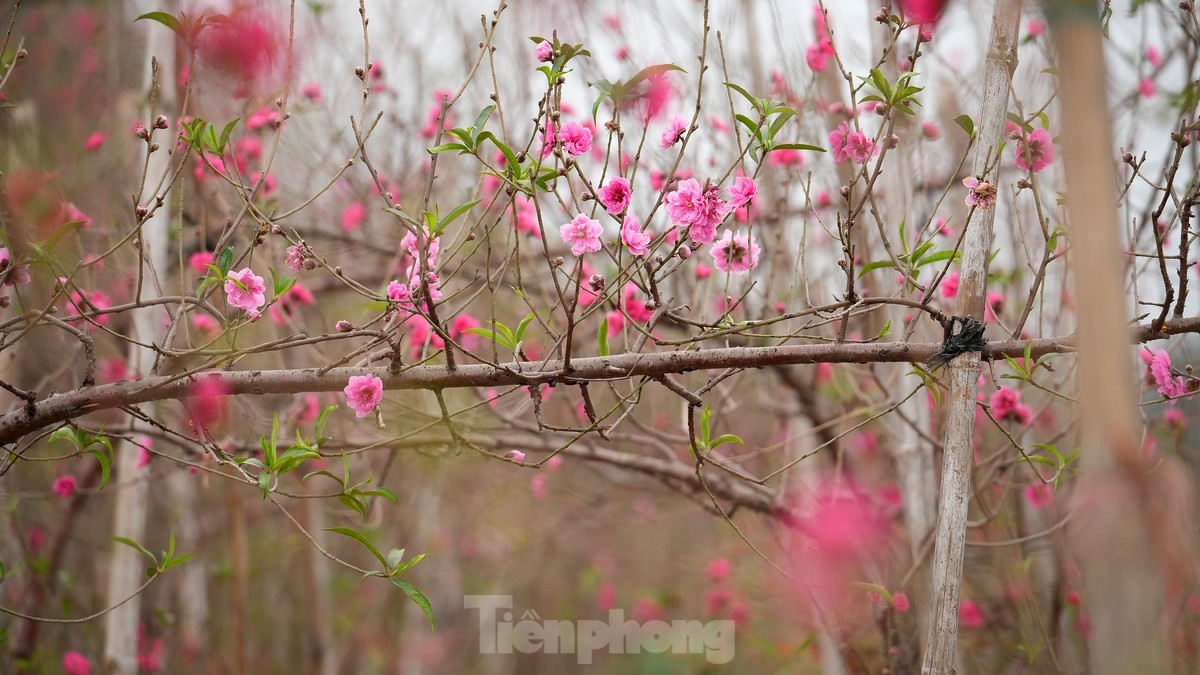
[{"x": 963, "y": 371}]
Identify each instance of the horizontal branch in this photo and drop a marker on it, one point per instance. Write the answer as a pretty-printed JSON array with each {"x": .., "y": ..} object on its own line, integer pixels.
[{"x": 79, "y": 402}]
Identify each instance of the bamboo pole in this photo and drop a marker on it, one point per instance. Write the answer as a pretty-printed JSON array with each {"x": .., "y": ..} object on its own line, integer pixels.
[{"x": 963, "y": 371}]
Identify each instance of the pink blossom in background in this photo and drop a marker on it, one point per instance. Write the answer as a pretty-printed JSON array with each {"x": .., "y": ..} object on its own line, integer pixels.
[
  {"x": 900, "y": 603},
  {"x": 703, "y": 271},
  {"x": 615, "y": 195},
  {"x": 544, "y": 51},
  {"x": 1175, "y": 418},
  {"x": 363, "y": 393},
  {"x": 1035, "y": 151},
  {"x": 459, "y": 326},
  {"x": 1039, "y": 495},
  {"x": 262, "y": 118},
  {"x": 246, "y": 47},
  {"x": 673, "y": 134},
  {"x": 637, "y": 241},
  {"x": 245, "y": 289},
  {"x": 993, "y": 305},
  {"x": 701, "y": 210},
  {"x": 289, "y": 302},
  {"x": 742, "y": 191},
  {"x": 353, "y": 215},
  {"x": 91, "y": 302},
  {"x": 949, "y": 285},
  {"x": 735, "y": 254},
  {"x": 207, "y": 325},
  {"x": 716, "y": 600},
  {"x": 922, "y": 11},
  {"x": 646, "y": 609},
  {"x": 527, "y": 221},
  {"x": 606, "y": 596},
  {"x": 719, "y": 124},
  {"x": 616, "y": 321},
  {"x": 64, "y": 486},
  {"x": 74, "y": 214},
  {"x": 583, "y": 234},
  {"x": 931, "y": 131},
  {"x": 576, "y": 138},
  {"x": 1153, "y": 56},
  {"x": 200, "y": 260},
  {"x": 74, "y": 663},
  {"x": 537, "y": 486},
  {"x": 817, "y": 55},
  {"x": 718, "y": 569},
  {"x": 249, "y": 147},
  {"x": 18, "y": 274},
  {"x": 1146, "y": 88},
  {"x": 1035, "y": 27},
  {"x": 268, "y": 184},
  {"x": 637, "y": 309},
  {"x": 515, "y": 455},
  {"x": 94, "y": 141},
  {"x": 658, "y": 93},
  {"x": 206, "y": 399},
  {"x": 980, "y": 193},
  {"x": 311, "y": 92},
  {"x": 970, "y": 617}
]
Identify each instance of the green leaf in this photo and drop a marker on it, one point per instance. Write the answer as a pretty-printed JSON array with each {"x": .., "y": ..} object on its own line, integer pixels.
[
  {"x": 519, "y": 335},
  {"x": 874, "y": 588},
  {"x": 225, "y": 262},
  {"x": 726, "y": 438},
  {"x": 939, "y": 256},
  {"x": 64, "y": 433},
  {"x": 453, "y": 215},
  {"x": 872, "y": 266},
  {"x": 797, "y": 146},
  {"x": 446, "y": 147},
  {"x": 481, "y": 121},
  {"x": 138, "y": 547},
  {"x": 967, "y": 124},
  {"x": 602, "y": 338},
  {"x": 360, "y": 538},
  {"x": 745, "y": 94},
  {"x": 418, "y": 597},
  {"x": 165, "y": 19},
  {"x": 381, "y": 492},
  {"x": 226, "y": 132},
  {"x": 6, "y": 104},
  {"x": 281, "y": 283},
  {"x": 105, "y": 466},
  {"x": 883, "y": 332},
  {"x": 176, "y": 561}
]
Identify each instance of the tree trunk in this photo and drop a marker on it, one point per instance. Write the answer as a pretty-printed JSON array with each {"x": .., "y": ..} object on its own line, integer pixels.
[{"x": 1114, "y": 535}]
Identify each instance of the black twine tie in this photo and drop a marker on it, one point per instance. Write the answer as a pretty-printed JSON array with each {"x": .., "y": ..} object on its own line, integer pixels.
[{"x": 969, "y": 338}]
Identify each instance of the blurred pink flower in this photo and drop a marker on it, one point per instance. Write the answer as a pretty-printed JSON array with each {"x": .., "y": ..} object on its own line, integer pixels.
[
  {"x": 64, "y": 486},
  {"x": 1035, "y": 151},
  {"x": 515, "y": 455},
  {"x": 817, "y": 55},
  {"x": 718, "y": 569},
  {"x": 94, "y": 141},
  {"x": 1039, "y": 495},
  {"x": 353, "y": 215},
  {"x": 970, "y": 617},
  {"x": 1153, "y": 56},
  {"x": 673, "y": 133},
  {"x": 900, "y": 602},
  {"x": 74, "y": 663},
  {"x": 200, "y": 261},
  {"x": 931, "y": 130},
  {"x": 18, "y": 275},
  {"x": 1035, "y": 27},
  {"x": 1146, "y": 88}
]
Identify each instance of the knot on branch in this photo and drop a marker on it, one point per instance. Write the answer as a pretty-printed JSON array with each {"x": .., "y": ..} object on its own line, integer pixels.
[{"x": 969, "y": 338}]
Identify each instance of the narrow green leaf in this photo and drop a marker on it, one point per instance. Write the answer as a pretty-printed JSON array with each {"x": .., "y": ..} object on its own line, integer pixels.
[
  {"x": 105, "y": 466},
  {"x": 165, "y": 19},
  {"x": 418, "y": 597},
  {"x": 360, "y": 538},
  {"x": 602, "y": 338},
  {"x": 138, "y": 547}
]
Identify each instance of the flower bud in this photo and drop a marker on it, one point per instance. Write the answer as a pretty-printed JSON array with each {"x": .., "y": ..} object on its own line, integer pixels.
[
  {"x": 892, "y": 141},
  {"x": 558, "y": 262},
  {"x": 1127, "y": 157},
  {"x": 685, "y": 252},
  {"x": 359, "y": 72},
  {"x": 844, "y": 191},
  {"x": 596, "y": 282},
  {"x": 882, "y": 15},
  {"x": 309, "y": 264},
  {"x": 141, "y": 132},
  {"x": 1023, "y": 184},
  {"x": 22, "y": 53},
  {"x": 343, "y": 326},
  {"x": 140, "y": 211},
  {"x": 161, "y": 122}
]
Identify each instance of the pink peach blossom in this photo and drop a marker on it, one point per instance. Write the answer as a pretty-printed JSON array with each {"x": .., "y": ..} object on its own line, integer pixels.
[
  {"x": 64, "y": 486},
  {"x": 637, "y": 241},
  {"x": 245, "y": 289},
  {"x": 363, "y": 393},
  {"x": 583, "y": 234},
  {"x": 615, "y": 195}
]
